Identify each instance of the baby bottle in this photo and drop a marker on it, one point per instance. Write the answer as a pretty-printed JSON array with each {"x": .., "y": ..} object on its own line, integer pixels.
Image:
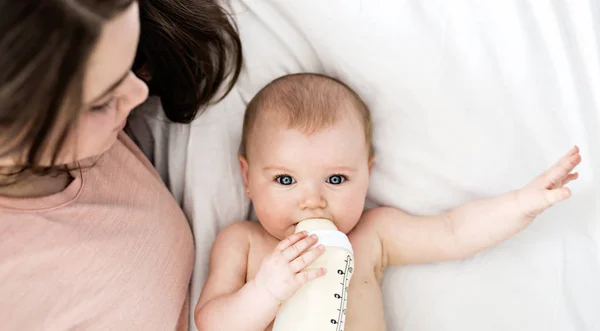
[{"x": 320, "y": 305}]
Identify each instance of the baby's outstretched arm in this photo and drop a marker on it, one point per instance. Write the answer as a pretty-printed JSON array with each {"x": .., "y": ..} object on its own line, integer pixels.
[
  {"x": 388, "y": 236},
  {"x": 482, "y": 224},
  {"x": 228, "y": 302},
  {"x": 469, "y": 228}
]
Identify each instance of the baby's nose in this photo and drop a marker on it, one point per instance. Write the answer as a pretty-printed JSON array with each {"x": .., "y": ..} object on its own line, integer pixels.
[{"x": 312, "y": 199}]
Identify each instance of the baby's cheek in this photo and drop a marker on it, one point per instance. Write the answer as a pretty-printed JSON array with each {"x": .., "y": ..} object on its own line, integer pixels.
[
  {"x": 350, "y": 213},
  {"x": 271, "y": 204},
  {"x": 273, "y": 216}
]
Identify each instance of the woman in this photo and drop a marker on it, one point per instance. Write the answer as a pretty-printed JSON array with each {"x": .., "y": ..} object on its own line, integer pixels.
[{"x": 90, "y": 239}]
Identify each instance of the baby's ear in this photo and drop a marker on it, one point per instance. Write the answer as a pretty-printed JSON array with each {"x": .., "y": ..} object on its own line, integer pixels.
[
  {"x": 244, "y": 168},
  {"x": 371, "y": 161}
]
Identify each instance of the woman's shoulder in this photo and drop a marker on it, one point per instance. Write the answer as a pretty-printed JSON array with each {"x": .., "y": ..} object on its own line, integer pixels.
[{"x": 133, "y": 149}]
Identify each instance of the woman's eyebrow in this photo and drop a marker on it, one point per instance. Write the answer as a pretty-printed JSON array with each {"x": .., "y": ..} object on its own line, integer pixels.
[{"x": 112, "y": 87}]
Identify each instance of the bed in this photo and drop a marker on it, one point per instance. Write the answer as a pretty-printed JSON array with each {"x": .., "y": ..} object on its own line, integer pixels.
[{"x": 469, "y": 99}]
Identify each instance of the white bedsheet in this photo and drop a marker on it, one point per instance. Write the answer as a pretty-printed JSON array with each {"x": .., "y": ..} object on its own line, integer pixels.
[{"x": 469, "y": 99}]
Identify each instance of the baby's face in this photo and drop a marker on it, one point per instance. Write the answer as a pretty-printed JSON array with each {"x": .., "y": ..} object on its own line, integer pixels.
[{"x": 291, "y": 176}]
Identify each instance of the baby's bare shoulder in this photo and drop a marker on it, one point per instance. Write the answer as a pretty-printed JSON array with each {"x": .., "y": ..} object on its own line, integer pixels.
[
  {"x": 239, "y": 229},
  {"x": 367, "y": 237},
  {"x": 248, "y": 232},
  {"x": 370, "y": 223},
  {"x": 247, "y": 239}
]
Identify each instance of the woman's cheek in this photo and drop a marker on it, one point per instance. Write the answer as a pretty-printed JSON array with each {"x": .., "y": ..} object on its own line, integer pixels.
[{"x": 95, "y": 133}]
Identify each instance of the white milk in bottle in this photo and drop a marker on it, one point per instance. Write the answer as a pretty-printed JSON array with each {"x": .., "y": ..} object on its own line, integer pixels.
[{"x": 320, "y": 305}]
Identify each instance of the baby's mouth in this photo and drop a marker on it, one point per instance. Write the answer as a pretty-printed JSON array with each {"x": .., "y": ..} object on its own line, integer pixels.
[{"x": 308, "y": 218}]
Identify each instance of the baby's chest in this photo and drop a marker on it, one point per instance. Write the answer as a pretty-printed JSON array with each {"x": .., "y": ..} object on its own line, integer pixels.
[{"x": 259, "y": 249}]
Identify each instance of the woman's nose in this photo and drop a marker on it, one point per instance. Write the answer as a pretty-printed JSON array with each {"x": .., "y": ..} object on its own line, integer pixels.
[{"x": 134, "y": 92}]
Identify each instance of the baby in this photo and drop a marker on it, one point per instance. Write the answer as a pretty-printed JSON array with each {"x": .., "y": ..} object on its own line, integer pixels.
[{"x": 306, "y": 153}]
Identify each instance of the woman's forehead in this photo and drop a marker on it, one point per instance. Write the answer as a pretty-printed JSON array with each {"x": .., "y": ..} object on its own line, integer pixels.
[{"x": 113, "y": 55}]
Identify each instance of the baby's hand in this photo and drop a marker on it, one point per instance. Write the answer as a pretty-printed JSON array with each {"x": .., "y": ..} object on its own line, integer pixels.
[
  {"x": 282, "y": 273},
  {"x": 548, "y": 188}
]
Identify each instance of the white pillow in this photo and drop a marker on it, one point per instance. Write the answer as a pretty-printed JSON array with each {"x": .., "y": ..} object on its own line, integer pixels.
[{"x": 469, "y": 99}]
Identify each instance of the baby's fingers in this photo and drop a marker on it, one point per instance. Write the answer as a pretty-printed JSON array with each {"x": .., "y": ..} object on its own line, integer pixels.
[
  {"x": 307, "y": 258},
  {"x": 557, "y": 195},
  {"x": 299, "y": 247},
  {"x": 309, "y": 274},
  {"x": 557, "y": 175},
  {"x": 536, "y": 201},
  {"x": 291, "y": 240},
  {"x": 570, "y": 177}
]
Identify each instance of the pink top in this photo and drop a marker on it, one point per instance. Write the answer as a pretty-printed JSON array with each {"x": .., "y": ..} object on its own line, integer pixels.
[{"x": 112, "y": 251}]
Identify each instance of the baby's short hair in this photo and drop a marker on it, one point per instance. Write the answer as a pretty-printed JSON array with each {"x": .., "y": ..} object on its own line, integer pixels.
[{"x": 306, "y": 101}]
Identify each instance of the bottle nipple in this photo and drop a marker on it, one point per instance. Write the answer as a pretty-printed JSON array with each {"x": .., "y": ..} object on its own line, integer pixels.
[
  {"x": 312, "y": 224},
  {"x": 327, "y": 233}
]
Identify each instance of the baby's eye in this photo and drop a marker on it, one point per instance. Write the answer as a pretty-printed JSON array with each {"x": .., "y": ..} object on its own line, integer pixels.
[
  {"x": 285, "y": 179},
  {"x": 336, "y": 179}
]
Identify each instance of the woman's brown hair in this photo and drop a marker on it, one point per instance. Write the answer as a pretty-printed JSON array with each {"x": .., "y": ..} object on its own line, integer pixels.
[
  {"x": 188, "y": 49},
  {"x": 45, "y": 46}
]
